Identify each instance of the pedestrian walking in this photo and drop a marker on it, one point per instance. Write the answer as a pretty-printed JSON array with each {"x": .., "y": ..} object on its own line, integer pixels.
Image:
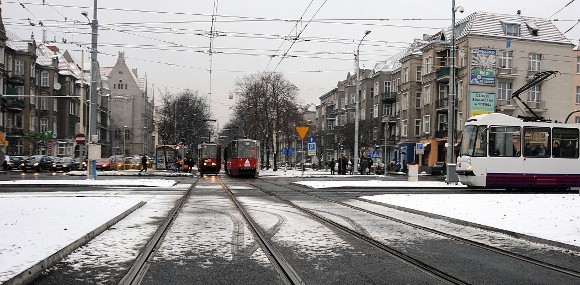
[
  {"x": 344, "y": 164},
  {"x": 143, "y": 163},
  {"x": 332, "y": 164}
]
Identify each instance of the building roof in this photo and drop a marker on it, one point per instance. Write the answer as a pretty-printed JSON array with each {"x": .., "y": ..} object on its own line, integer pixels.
[
  {"x": 492, "y": 25},
  {"x": 16, "y": 43},
  {"x": 394, "y": 62}
]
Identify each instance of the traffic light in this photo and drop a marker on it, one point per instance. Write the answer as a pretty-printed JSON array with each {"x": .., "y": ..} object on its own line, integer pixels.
[{"x": 3, "y": 102}]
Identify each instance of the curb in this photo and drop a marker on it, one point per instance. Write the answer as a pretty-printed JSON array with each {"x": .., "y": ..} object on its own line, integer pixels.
[{"x": 36, "y": 270}]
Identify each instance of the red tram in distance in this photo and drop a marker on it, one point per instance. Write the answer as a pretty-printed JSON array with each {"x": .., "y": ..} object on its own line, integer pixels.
[
  {"x": 242, "y": 158},
  {"x": 209, "y": 158}
]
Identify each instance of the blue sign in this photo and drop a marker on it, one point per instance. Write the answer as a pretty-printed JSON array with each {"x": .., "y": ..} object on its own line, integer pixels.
[
  {"x": 291, "y": 151},
  {"x": 375, "y": 154},
  {"x": 284, "y": 150},
  {"x": 312, "y": 139}
]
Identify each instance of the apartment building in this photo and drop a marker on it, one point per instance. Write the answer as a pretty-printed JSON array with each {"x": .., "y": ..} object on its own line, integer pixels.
[
  {"x": 495, "y": 56},
  {"x": 576, "y": 86}
]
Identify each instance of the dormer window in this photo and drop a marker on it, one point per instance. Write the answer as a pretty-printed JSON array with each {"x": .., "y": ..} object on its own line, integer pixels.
[
  {"x": 511, "y": 29},
  {"x": 533, "y": 28}
]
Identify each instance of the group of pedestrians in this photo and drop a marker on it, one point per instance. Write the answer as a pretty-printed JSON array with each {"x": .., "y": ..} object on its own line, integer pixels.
[{"x": 344, "y": 165}]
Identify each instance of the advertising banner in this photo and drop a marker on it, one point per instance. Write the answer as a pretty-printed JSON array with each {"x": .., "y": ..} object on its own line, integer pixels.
[
  {"x": 483, "y": 66},
  {"x": 481, "y": 103}
]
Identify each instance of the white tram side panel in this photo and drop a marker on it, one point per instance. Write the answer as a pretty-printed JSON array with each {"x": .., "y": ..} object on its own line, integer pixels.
[{"x": 502, "y": 151}]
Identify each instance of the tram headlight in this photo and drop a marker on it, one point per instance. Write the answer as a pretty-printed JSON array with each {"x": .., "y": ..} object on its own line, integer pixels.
[{"x": 469, "y": 167}]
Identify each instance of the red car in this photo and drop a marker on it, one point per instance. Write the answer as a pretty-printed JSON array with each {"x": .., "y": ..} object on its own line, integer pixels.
[{"x": 104, "y": 164}]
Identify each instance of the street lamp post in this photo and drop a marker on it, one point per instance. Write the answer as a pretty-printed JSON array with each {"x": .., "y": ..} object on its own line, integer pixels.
[
  {"x": 124, "y": 141},
  {"x": 356, "y": 102},
  {"x": 451, "y": 111}
]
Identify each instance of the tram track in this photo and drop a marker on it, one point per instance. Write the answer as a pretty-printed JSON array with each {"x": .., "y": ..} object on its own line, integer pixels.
[
  {"x": 428, "y": 269},
  {"x": 285, "y": 270},
  {"x": 140, "y": 266},
  {"x": 395, "y": 252}
]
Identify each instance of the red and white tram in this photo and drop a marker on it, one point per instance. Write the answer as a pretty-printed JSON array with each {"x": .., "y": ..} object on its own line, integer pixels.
[
  {"x": 242, "y": 158},
  {"x": 500, "y": 151},
  {"x": 209, "y": 158}
]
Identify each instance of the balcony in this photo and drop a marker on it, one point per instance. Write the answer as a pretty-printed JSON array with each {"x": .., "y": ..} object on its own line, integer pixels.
[
  {"x": 389, "y": 97},
  {"x": 537, "y": 105},
  {"x": 505, "y": 105},
  {"x": 14, "y": 104},
  {"x": 389, "y": 118},
  {"x": 443, "y": 73},
  {"x": 441, "y": 134},
  {"x": 14, "y": 131},
  {"x": 442, "y": 104},
  {"x": 507, "y": 72},
  {"x": 332, "y": 114}
]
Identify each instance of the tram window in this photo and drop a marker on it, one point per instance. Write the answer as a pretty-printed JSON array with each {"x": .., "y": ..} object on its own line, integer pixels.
[
  {"x": 536, "y": 142},
  {"x": 565, "y": 143},
  {"x": 474, "y": 141},
  {"x": 504, "y": 141}
]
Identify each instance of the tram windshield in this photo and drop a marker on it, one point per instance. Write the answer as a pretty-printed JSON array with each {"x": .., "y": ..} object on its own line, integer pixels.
[
  {"x": 474, "y": 141},
  {"x": 210, "y": 150},
  {"x": 247, "y": 149}
]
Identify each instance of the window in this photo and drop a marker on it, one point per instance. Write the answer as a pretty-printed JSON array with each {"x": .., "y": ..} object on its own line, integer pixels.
[
  {"x": 505, "y": 59},
  {"x": 536, "y": 142},
  {"x": 459, "y": 121},
  {"x": 387, "y": 86},
  {"x": 43, "y": 124},
  {"x": 419, "y": 75},
  {"x": 398, "y": 85},
  {"x": 404, "y": 128},
  {"x": 44, "y": 79},
  {"x": 427, "y": 98},
  {"x": 397, "y": 108},
  {"x": 428, "y": 64},
  {"x": 43, "y": 103},
  {"x": 534, "y": 94},
  {"x": 376, "y": 111},
  {"x": 418, "y": 100},
  {"x": 19, "y": 66},
  {"x": 363, "y": 114},
  {"x": 376, "y": 88},
  {"x": 32, "y": 70},
  {"x": 578, "y": 65},
  {"x": 426, "y": 124},
  {"x": 405, "y": 74},
  {"x": 511, "y": 29},
  {"x": 441, "y": 122},
  {"x": 565, "y": 143},
  {"x": 9, "y": 68},
  {"x": 504, "y": 141},
  {"x": 417, "y": 127},
  {"x": 474, "y": 141},
  {"x": 462, "y": 58},
  {"x": 504, "y": 91},
  {"x": 363, "y": 94},
  {"x": 385, "y": 109},
  {"x": 460, "y": 91},
  {"x": 71, "y": 107},
  {"x": 405, "y": 101},
  {"x": 577, "y": 120},
  {"x": 534, "y": 62},
  {"x": 577, "y": 94}
]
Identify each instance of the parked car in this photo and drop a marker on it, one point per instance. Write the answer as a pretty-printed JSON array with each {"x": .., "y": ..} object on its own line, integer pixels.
[
  {"x": 104, "y": 164},
  {"x": 439, "y": 168},
  {"x": 37, "y": 163},
  {"x": 65, "y": 164},
  {"x": 17, "y": 160}
]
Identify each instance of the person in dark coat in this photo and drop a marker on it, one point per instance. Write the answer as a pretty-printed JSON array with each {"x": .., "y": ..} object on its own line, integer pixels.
[
  {"x": 344, "y": 164},
  {"x": 143, "y": 163},
  {"x": 363, "y": 166},
  {"x": 369, "y": 164},
  {"x": 332, "y": 164}
]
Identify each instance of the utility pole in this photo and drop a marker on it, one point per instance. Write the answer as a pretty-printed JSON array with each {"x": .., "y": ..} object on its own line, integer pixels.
[
  {"x": 93, "y": 130},
  {"x": 450, "y": 173}
]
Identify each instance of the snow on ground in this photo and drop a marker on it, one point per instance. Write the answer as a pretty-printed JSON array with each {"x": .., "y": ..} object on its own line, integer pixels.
[
  {"x": 376, "y": 184},
  {"x": 553, "y": 217},
  {"x": 34, "y": 227},
  {"x": 90, "y": 182}
]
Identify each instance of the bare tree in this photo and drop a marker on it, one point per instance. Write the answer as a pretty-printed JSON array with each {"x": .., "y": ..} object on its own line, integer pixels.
[
  {"x": 184, "y": 118},
  {"x": 266, "y": 107}
]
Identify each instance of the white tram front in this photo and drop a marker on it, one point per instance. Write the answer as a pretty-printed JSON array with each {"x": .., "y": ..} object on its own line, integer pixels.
[{"x": 500, "y": 151}]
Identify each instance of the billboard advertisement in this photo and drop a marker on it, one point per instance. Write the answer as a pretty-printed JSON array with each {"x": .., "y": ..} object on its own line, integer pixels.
[
  {"x": 483, "y": 66},
  {"x": 481, "y": 103}
]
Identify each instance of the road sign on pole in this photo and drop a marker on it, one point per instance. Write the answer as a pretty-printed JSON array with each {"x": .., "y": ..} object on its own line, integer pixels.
[
  {"x": 302, "y": 130},
  {"x": 80, "y": 138},
  {"x": 312, "y": 148}
]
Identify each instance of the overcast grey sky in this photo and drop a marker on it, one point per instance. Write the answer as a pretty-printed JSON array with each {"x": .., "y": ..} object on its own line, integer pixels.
[{"x": 169, "y": 40}]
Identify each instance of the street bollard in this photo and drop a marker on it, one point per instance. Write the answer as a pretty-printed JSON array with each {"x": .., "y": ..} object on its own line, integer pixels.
[{"x": 413, "y": 172}]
